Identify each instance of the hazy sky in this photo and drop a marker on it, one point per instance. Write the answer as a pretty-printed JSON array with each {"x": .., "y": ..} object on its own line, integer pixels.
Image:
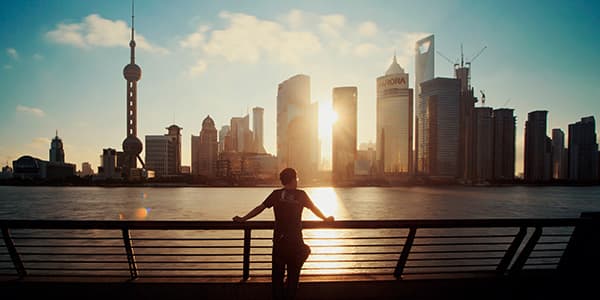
[{"x": 61, "y": 63}]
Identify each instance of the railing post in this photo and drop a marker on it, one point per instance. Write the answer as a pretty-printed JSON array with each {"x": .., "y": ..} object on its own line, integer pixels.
[
  {"x": 14, "y": 255},
  {"x": 524, "y": 255},
  {"x": 405, "y": 251},
  {"x": 510, "y": 252},
  {"x": 246, "y": 263},
  {"x": 582, "y": 254},
  {"x": 133, "y": 272}
]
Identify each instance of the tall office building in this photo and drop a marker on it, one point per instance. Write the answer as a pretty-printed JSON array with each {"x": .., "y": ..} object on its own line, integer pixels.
[
  {"x": 241, "y": 135},
  {"x": 440, "y": 135},
  {"x": 257, "y": 127},
  {"x": 483, "y": 143},
  {"x": 583, "y": 150},
  {"x": 394, "y": 121},
  {"x": 86, "y": 169},
  {"x": 538, "y": 158},
  {"x": 163, "y": 152},
  {"x": 109, "y": 167},
  {"x": 205, "y": 149},
  {"x": 297, "y": 131},
  {"x": 424, "y": 71},
  {"x": 559, "y": 155},
  {"x": 344, "y": 133},
  {"x": 174, "y": 132},
  {"x": 504, "y": 144},
  {"x": 132, "y": 146},
  {"x": 57, "y": 152},
  {"x": 223, "y": 134}
]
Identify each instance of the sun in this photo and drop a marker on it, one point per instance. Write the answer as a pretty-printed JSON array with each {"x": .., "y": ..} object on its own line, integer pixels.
[{"x": 327, "y": 116}]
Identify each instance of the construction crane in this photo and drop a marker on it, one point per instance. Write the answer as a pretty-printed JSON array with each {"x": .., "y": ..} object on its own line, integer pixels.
[
  {"x": 477, "y": 55},
  {"x": 446, "y": 58}
]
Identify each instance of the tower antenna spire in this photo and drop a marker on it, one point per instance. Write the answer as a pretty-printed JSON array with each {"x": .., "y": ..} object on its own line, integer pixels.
[{"x": 132, "y": 17}]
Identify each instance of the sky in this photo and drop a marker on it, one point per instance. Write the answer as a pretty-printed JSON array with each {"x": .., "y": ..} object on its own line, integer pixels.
[{"x": 61, "y": 63}]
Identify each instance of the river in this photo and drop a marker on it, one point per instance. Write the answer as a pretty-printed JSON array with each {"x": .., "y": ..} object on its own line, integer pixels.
[{"x": 360, "y": 203}]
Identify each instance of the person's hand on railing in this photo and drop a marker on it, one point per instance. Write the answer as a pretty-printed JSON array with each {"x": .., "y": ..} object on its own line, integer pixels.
[
  {"x": 329, "y": 219},
  {"x": 238, "y": 219}
]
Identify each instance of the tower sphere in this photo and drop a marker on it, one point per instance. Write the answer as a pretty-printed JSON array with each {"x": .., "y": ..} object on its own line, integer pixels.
[
  {"x": 132, "y": 145},
  {"x": 132, "y": 72},
  {"x": 132, "y": 43}
]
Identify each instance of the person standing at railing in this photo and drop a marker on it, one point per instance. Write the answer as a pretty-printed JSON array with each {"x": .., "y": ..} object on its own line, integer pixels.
[{"x": 289, "y": 249}]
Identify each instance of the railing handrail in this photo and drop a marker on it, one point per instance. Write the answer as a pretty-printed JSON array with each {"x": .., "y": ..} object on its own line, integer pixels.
[{"x": 341, "y": 224}]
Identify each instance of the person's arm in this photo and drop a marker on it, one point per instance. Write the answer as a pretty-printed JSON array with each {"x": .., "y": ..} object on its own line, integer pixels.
[
  {"x": 320, "y": 214},
  {"x": 317, "y": 211},
  {"x": 251, "y": 214}
]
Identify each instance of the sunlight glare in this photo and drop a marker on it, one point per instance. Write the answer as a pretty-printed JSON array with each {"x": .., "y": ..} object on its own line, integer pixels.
[{"x": 327, "y": 116}]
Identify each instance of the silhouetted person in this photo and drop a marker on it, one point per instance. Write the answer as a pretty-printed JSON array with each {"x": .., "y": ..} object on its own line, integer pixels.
[{"x": 289, "y": 249}]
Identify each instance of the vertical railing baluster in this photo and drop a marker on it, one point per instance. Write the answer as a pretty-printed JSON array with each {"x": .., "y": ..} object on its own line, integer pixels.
[
  {"x": 246, "y": 263},
  {"x": 510, "y": 252},
  {"x": 405, "y": 251},
  {"x": 133, "y": 272},
  {"x": 14, "y": 255},
  {"x": 524, "y": 255}
]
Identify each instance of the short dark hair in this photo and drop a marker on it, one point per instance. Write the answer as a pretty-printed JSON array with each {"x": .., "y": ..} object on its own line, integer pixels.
[{"x": 287, "y": 175}]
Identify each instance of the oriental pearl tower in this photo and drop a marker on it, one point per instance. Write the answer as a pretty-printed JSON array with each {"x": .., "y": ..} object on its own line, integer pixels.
[{"x": 132, "y": 146}]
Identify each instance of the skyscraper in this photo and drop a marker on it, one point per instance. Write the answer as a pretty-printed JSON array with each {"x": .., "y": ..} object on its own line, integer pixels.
[
  {"x": 483, "y": 143},
  {"x": 223, "y": 134},
  {"x": 257, "y": 127},
  {"x": 440, "y": 135},
  {"x": 57, "y": 153},
  {"x": 344, "y": 133},
  {"x": 394, "y": 121},
  {"x": 204, "y": 149},
  {"x": 583, "y": 150},
  {"x": 297, "y": 121},
  {"x": 538, "y": 159},
  {"x": 241, "y": 135},
  {"x": 132, "y": 146},
  {"x": 424, "y": 70},
  {"x": 559, "y": 155},
  {"x": 504, "y": 144},
  {"x": 174, "y": 132},
  {"x": 163, "y": 152}
]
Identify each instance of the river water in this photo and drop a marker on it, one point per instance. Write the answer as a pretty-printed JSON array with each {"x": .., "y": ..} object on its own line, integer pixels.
[{"x": 360, "y": 203}]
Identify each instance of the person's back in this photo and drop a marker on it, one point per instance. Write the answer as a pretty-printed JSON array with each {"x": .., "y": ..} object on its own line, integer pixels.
[{"x": 289, "y": 249}]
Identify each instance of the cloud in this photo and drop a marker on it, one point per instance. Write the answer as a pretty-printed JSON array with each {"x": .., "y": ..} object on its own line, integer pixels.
[
  {"x": 95, "y": 31},
  {"x": 38, "y": 56},
  {"x": 367, "y": 28},
  {"x": 12, "y": 52},
  {"x": 365, "y": 49},
  {"x": 295, "y": 18},
  {"x": 198, "y": 68},
  {"x": 30, "y": 110},
  {"x": 332, "y": 24},
  {"x": 196, "y": 39},
  {"x": 248, "y": 39},
  {"x": 39, "y": 143}
]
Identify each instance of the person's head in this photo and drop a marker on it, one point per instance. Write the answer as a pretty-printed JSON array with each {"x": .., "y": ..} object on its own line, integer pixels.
[{"x": 288, "y": 177}]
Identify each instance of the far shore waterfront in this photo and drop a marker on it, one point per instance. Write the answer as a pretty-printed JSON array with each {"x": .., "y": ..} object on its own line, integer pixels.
[{"x": 236, "y": 182}]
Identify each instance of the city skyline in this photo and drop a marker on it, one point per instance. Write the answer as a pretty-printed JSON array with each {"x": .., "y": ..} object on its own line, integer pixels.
[{"x": 194, "y": 67}]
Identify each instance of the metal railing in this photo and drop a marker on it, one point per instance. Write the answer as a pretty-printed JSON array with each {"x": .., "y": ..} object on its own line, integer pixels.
[{"x": 228, "y": 250}]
